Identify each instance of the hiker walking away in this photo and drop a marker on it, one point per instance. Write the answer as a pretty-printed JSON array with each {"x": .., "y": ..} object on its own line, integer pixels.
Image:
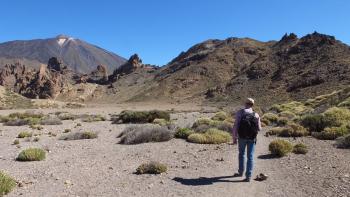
[{"x": 245, "y": 130}]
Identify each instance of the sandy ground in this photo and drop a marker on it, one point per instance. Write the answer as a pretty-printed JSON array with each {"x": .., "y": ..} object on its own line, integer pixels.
[{"x": 102, "y": 167}]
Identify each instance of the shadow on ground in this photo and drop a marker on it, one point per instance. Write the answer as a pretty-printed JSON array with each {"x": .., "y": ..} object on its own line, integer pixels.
[
  {"x": 267, "y": 156},
  {"x": 205, "y": 180}
]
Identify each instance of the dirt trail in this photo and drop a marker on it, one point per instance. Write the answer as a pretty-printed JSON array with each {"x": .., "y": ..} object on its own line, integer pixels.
[{"x": 101, "y": 167}]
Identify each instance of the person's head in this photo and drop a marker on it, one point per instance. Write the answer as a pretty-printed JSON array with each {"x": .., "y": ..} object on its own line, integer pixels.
[{"x": 249, "y": 102}]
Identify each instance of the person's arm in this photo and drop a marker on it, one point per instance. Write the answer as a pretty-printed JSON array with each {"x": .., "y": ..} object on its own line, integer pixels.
[
  {"x": 259, "y": 122},
  {"x": 235, "y": 127}
]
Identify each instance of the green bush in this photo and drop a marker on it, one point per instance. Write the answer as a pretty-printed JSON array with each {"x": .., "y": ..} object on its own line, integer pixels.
[
  {"x": 212, "y": 136},
  {"x": 220, "y": 116},
  {"x": 161, "y": 122},
  {"x": 300, "y": 149},
  {"x": 151, "y": 168},
  {"x": 141, "y": 116},
  {"x": 15, "y": 142},
  {"x": 295, "y": 107},
  {"x": 145, "y": 133},
  {"x": 287, "y": 114},
  {"x": 7, "y": 184},
  {"x": 314, "y": 122},
  {"x": 274, "y": 131},
  {"x": 332, "y": 133},
  {"x": 93, "y": 118},
  {"x": 205, "y": 121},
  {"x": 183, "y": 133},
  {"x": 80, "y": 136},
  {"x": 343, "y": 142},
  {"x": 269, "y": 118},
  {"x": 66, "y": 116},
  {"x": 280, "y": 147},
  {"x": 282, "y": 121},
  {"x": 337, "y": 116},
  {"x": 32, "y": 154},
  {"x": 293, "y": 130},
  {"x": 24, "y": 134}
]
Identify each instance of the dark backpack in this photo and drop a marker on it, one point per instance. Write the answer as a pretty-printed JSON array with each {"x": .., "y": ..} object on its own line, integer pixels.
[{"x": 248, "y": 126}]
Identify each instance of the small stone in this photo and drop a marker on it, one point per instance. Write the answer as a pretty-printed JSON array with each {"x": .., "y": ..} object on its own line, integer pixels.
[
  {"x": 347, "y": 175},
  {"x": 68, "y": 182},
  {"x": 150, "y": 186},
  {"x": 20, "y": 184},
  {"x": 162, "y": 182},
  {"x": 111, "y": 168}
]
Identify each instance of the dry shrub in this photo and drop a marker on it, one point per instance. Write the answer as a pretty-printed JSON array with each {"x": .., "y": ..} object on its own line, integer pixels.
[
  {"x": 269, "y": 118},
  {"x": 280, "y": 147},
  {"x": 80, "y": 136},
  {"x": 93, "y": 118},
  {"x": 212, "y": 136},
  {"x": 31, "y": 154},
  {"x": 7, "y": 184},
  {"x": 220, "y": 116},
  {"x": 50, "y": 121},
  {"x": 141, "y": 116},
  {"x": 332, "y": 133},
  {"x": 151, "y": 168},
  {"x": 293, "y": 130},
  {"x": 300, "y": 148},
  {"x": 24, "y": 134},
  {"x": 138, "y": 134},
  {"x": 183, "y": 133},
  {"x": 67, "y": 116}
]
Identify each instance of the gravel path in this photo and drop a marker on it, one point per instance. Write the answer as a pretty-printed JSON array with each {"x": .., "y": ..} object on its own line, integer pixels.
[{"x": 101, "y": 167}]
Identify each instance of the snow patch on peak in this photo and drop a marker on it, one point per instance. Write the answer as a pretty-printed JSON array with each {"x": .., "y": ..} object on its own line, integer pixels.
[{"x": 61, "y": 41}]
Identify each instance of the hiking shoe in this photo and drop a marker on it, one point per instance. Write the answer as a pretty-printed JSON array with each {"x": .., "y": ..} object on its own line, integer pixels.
[
  {"x": 237, "y": 175},
  {"x": 247, "y": 179}
]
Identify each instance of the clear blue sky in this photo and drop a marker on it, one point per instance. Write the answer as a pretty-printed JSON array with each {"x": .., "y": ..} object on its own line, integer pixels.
[{"x": 158, "y": 30}]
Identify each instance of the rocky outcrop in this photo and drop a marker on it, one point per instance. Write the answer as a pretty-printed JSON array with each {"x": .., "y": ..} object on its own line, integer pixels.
[
  {"x": 99, "y": 76},
  {"x": 132, "y": 65}
]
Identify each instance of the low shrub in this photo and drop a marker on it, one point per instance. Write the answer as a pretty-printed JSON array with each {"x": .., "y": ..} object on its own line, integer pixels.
[
  {"x": 16, "y": 122},
  {"x": 343, "y": 142},
  {"x": 145, "y": 133},
  {"x": 93, "y": 118},
  {"x": 7, "y": 184},
  {"x": 25, "y": 115},
  {"x": 15, "y": 142},
  {"x": 51, "y": 121},
  {"x": 161, "y": 122},
  {"x": 212, "y": 136},
  {"x": 274, "y": 131},
  {"x": 183, "y": 133},
  {"x": 141, "y": 116},
  {"x": 151, "y": 168},
  {"x": 24, "y": 134},
  {"x": 314, "y": 122},
  {"x": 32, "y": 154},
  {"x": 80, "y": 136},
  {"x": 66, "y": 116},
  {"x": 282, "y": 121},
  {"x": 225, "y": 126},
  {"x": 332, "y": 133},
  {"x": 345, "y": 103},
  {"x": 337, "y": 116},
  {"x": 300, "y": 148},
  {"x": 289, "y": 115},
  {"x": 36, "y": 127},
  {"x": 280, "y": 147},
  {"x": 269, "y": 118},
  {"x": 293, "y": 130},
  {"x": 295, "y": 107},
  {"x": 220, "y": 116}
]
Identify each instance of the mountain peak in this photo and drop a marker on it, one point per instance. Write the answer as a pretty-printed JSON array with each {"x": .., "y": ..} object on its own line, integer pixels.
[{"x": 62, "y": 39}]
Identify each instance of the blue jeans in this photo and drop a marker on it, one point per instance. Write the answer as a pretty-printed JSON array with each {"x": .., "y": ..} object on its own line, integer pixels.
[{"x": 242, "y": 144}]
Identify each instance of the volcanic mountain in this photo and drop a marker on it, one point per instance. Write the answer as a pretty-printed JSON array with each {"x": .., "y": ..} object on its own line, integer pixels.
[
  {"x": 229, "y": 70},
  {"x": 79, "y": 55}
]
